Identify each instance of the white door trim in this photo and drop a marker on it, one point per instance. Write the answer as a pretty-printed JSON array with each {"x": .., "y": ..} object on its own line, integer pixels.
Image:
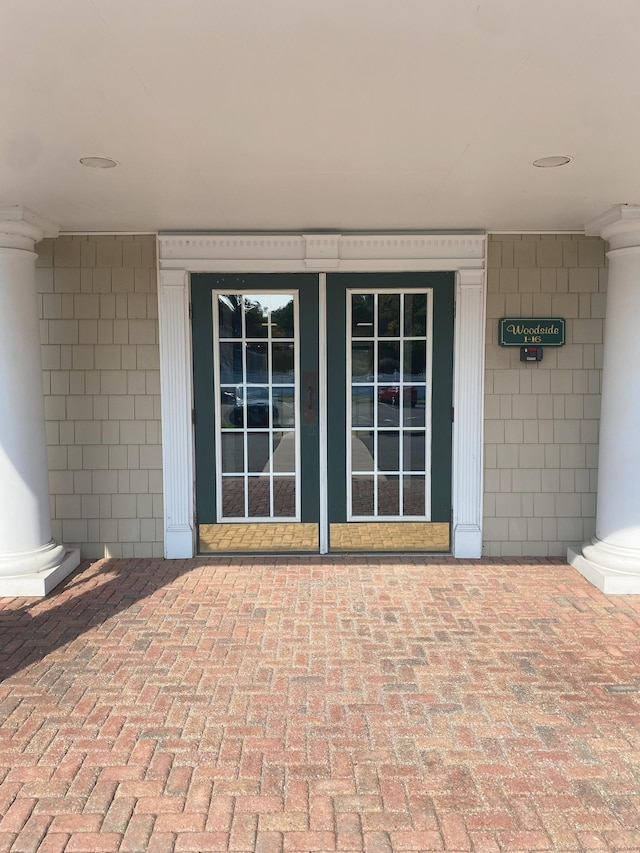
[
  {"x": 182, "y": 254},
  {"x": 322, "y": 413}
]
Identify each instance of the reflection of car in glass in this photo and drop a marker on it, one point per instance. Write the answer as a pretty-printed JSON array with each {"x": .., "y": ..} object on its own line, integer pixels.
[
  {"x": 391, "y": 394},
  {"x": 258, "y": 404}
]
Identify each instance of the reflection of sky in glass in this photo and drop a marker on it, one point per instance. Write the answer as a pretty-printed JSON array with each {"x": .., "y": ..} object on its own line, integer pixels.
[
  {"x": 266, "y": 302},
  {"x": 279, "y": 301},
  {"x": 255, "y": 300},
  {"x": 268, "y": 314}
]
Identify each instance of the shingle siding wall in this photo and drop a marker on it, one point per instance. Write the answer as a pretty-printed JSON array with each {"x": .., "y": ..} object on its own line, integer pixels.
[
  {"x": 99, "y": 332},
  {"x": 99, "y": 335},
  {"x": 541, "y": 419}
]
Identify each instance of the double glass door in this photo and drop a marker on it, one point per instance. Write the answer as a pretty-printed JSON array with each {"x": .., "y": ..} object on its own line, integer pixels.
[{"x": 348, "y": 453}]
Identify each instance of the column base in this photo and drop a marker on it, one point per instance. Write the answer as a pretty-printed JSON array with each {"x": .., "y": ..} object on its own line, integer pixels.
[
  {"x": 178, "y": 542},
  {"x": 614, "y": 570},
  {"x": 467, "y": 542},
  {"x": 46, "y": 556},
  {"x": 38, "y": 584}
]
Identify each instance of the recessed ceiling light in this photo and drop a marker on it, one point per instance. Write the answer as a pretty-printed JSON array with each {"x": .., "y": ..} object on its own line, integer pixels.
[
  {"x": 98, "y": 162},
  {"x": 551, "y": 162}
]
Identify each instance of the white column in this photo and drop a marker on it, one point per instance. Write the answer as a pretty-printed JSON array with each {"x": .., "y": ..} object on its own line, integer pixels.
[
  {"x": 31, "y": 562},
  {"x": 611, "y": 560}
]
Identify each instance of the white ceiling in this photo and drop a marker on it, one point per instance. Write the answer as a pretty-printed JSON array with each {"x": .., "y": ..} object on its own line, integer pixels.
[{"x": 319, "y": 114}]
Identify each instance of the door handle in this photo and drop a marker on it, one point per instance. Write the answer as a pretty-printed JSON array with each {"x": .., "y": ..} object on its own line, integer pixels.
[{"x": 309, "y": 407}]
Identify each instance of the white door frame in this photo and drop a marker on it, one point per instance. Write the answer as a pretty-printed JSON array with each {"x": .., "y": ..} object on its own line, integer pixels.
[{"x": 179, "y": 255}]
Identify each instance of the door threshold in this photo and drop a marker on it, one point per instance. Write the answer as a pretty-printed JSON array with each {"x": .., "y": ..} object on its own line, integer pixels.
[{"x": 332, "y": 554}]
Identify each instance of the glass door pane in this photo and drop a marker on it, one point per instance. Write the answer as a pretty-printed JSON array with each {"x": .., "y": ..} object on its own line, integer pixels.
[
  {"x": 389, "y": 376},
  {"x": 255, "y": 337}
]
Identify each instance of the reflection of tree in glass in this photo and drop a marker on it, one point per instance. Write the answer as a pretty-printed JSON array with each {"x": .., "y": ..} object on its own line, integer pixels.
[
  {"x": 389, "y": 314},
  {"x": 282, "y": 321},
  {"x": 256, "y": 310},
  {"x": 415, "y": 314},
  {"x": 389, "y": 360},
  {"x": 256, "y": 316},
  {"x": 362, "y": 314}
]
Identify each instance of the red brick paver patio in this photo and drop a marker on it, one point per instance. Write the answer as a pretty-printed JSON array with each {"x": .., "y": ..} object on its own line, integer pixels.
[{"x": 314, "y": 705}]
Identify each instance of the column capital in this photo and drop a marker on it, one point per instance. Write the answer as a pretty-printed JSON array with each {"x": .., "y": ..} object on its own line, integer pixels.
[
  {"x": 619, "y": 225},
  {"x": 21, "y": 228}
]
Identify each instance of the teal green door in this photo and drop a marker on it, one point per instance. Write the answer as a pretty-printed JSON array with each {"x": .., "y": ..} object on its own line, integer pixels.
[
  {"x": 255, "y": 369},
  {"x": 360, "y": 464},
  {"x": 389, "y": 398}
]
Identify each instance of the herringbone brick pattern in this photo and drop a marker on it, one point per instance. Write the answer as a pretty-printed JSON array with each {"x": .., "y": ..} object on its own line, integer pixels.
[{"x": 292, "y": 705}]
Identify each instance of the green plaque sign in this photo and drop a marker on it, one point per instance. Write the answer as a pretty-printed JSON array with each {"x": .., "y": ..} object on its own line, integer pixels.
[{"x": 531, "y": 331}]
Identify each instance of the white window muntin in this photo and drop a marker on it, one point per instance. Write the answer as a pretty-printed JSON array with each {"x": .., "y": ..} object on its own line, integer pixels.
[
  {"x": 271, "y": 429},
  {"x": 350, "y": 429}
]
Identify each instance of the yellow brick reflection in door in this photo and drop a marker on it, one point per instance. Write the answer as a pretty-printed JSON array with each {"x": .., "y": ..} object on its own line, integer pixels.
[
  {"x": 390, "y": 536},
  {"x": 276, "y": 536}
]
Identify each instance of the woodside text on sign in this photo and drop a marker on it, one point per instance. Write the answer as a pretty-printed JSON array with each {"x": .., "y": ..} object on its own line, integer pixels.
[{"x": 528, "y": 331}]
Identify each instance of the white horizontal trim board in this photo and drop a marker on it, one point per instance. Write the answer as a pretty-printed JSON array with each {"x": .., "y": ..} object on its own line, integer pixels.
[
  {"x": 108, "y": 234},
  {"x": 532, "y": 233},
  {"x": 179, "y": 255},
  {"x": 347, "y": 252}
]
